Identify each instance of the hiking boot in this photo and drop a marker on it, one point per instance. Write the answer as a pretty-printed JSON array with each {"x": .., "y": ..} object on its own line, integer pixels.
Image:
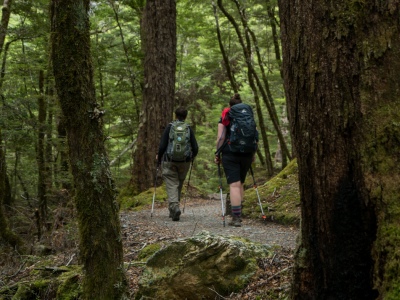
[
  {"x": 175, "y": 213},
  {"x": 236, "y": 221}
]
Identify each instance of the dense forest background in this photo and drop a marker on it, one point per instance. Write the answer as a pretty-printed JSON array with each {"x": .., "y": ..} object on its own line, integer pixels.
[
  {"x": 337, "y": 84},
  {"x": 74, "y": 125},
  {"x": 32, "y": 125}
]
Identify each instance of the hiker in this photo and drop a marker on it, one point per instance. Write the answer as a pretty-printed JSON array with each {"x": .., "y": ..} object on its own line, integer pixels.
[
  {"x": 236, "y": 160},
  {"x": 177, "y": 150}
]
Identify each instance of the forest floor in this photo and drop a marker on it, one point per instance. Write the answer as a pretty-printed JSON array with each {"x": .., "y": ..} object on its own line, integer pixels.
[{"x": 143, "y": 228}]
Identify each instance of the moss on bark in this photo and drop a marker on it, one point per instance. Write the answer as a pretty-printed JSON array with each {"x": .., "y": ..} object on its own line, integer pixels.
[{"x": 95, "y": 197}]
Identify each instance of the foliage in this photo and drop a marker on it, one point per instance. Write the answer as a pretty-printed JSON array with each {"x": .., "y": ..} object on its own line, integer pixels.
[{"x": 202, "y": 84}]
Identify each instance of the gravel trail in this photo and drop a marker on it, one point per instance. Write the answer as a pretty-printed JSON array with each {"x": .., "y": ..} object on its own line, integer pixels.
[{"x": 200, "y": 215}]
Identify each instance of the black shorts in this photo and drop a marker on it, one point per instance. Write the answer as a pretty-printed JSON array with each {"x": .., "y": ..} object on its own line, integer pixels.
[{"x": 236, "y": 167}]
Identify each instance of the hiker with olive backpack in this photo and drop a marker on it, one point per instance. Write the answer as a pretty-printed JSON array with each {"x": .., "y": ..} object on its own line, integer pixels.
[
  {"x": 237, "y": 143},
  {"x": 177, "y": 150}
]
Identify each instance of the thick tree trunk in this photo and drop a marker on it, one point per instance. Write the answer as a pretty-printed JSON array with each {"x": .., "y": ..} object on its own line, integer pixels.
[
  {"x": 100, "y": 235},
  {"x": 342, "y": 73},
  {"x": 159, "y": 40}
]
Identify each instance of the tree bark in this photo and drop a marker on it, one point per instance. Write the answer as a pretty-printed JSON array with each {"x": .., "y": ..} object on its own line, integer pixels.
[
  {"x": 62, "y": 170},
  {"x": 40, "y": 154},
  {"x": 342, "y": 71},
  {"x": 271, "y": 7},
  {"x": 49, "y": 134},
  {"x": 100, "y": 234},
  {"x": 6, "y": 234},
  {"x": 5, "y": 18},
  {"x": 159, "y": 43},
  {"x": 262, "y": 128}
]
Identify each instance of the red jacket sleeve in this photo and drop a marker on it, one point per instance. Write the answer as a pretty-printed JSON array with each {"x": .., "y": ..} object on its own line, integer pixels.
[{"x": 225, "y": 116}]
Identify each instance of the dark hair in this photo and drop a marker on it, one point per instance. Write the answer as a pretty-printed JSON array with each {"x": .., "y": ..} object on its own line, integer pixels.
[
  {"x": 181, "y": 113},
  {"x": 235, "y": 100}
]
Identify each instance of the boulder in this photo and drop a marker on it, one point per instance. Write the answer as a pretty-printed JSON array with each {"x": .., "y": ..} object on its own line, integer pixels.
[{"x": 200, "y": 267}]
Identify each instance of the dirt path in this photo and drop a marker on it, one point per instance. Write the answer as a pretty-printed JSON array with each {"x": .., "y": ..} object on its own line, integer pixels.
[{"x": 199, "y": 215}]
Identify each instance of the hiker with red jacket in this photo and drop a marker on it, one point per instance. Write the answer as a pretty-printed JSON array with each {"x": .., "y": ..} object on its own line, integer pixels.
[
  {"x": 177, "y": 150},
  {"x": 237, "y": 142}
]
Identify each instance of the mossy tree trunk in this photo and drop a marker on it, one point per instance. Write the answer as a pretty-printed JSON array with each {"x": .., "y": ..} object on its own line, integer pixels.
[
  {"x": 342, "y": 69},
  {"x": 99, "y": 227},
  {"x": 6, "y": 235},
  {"x": 5, "y": 194},
  {"x": 159, "y": 47}
]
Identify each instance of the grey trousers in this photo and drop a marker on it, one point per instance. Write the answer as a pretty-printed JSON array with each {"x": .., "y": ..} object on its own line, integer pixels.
[{"x": 174, "y": 174}]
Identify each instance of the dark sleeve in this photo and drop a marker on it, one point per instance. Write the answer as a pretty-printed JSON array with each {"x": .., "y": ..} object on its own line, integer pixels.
[
  {"x": 163, "y": 143},
  {"x": 193, "y": 143}
]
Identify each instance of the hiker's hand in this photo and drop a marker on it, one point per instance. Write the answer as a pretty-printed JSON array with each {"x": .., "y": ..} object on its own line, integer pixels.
[{"x": 217, "y": 159}]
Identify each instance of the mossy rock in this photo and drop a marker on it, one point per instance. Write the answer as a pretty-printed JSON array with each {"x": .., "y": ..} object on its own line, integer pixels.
[
  {"x": 59, "y": 283},
  {"x": 280, "y": 198},
  {"x": 200, "y": 266},
  {"x": 148, "y": 251}
]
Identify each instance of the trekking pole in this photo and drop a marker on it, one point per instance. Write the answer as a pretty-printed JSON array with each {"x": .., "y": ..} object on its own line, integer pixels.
[
  {"x": 154, "y": 195},
  {"x": 258, "y": 196},
  {"x": 220, "y": 191},
  {"x": 187, "y": 188}
]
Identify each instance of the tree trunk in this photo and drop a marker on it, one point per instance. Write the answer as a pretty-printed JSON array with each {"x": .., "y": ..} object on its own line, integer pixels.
[
  {"x": 159, "y": 43},
  {"x": 262, "y": 128},
  {"x": 132, "y": 76},
  {"x": 271, "y": 7},
  {"x": 6, "y": 234},
  {"x": 225, "y": 57},
  {"x": 61, "y": 172},
  {"x": 5, "y": 18},
  {"x": 40, "y": 155},
  {"x": 247, "y": 52},
  {"x": 342, "y": 71},
  {"x": 49, "y": 135},
  {"x": 100, "y": 234}
]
